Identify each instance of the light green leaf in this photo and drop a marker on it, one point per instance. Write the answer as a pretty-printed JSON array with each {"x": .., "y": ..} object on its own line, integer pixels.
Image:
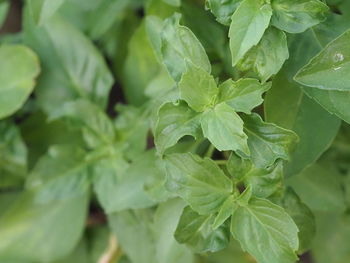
[
  {"x": 223, "y": 10},
  {"x": 330, "y": 68},
  {"x": 200, "y": 182},
  {"x": 295, "y": 16},
  {"x": 97, "y": 127},
  {"x": 303, "y": 218},
  {"x": 174, "y": 122},
  {"x": 315, "y": 127},
  {"x": 248, "y": 25},
  {"x": 166, "y": 218},
  {"x": 261, "y": 227},
  {"x": 268, "y": 142},
  {"x": 224, "y": 129},
  {"x": 267, "y": 58},
  {"x": 72, "y": 66},
  {"x": 42, "y": 10},
  {"x": 13, "y": 157},
  {"x": 198, "y": 88},
  {"x": 19, "y": 66},
  {"x": 197, "y": 232},
  {"x": 320, "y": 188},
  {"x": 242, "y": 95},
  {"x": 179, "y": 45}
]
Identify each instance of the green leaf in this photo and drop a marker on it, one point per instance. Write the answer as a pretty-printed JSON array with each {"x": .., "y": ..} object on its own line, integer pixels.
[
  {"x": 97, "y": 127},
  {"x": 303, "y": 218},
  {"x": 19, "y": 67},
  {"x": 56, "y": 203},
  {"x": 332, "y": 239},
  {"x": 268, "y": 142},
  {"x": 4, "y": 7},
  {"x": 223, "y": 10},
  {"x": 166, "y": 218},
  {"x": 330, "y": 68},
  {"x": 134, "y": 231},
  {"x": 178, "y": 45},
  {"x": 72, "y": 66},
  {"x": 242, "y": 95},
  {"x": 174, "y": 122},
  {"x": 200, "y": 182},
  {"x": 248, "y": 25},
  {"x": 265, "y": 182},
  {"x": 295, "y": 16},
  {"x": 267, "y": 58},
  {"x": 13, "y": 157},
  {"x": 320, "y": 188},
  {"x": 42, "y": 10},
  {"x": 224, "y": 129},
  {"x": 262, "y": 226},
  {"x": 196, "y": 231},
  {"x": 198, "y": 88},
  {"x": 119, "y": 186},
  {"x": 140, "y": 67},
  {"x": 315, "y": 127}
]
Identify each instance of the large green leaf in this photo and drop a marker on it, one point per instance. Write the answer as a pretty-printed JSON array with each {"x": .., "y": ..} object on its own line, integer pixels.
[
  {"x": 43, "y": 9},
  {"x": 224, "y": 129},
  {"x": 265, "y": 231},
  {"x": 330, "y": 68},
  {"x": 200, "y": 182},
  {"x": 242, "y": 95},
  {"x": 267, "y": 58},
  {"x": 295, "y": 16},
  {"x": 332, "y": 239},
  {"x": 174, "y": 122},
  {"x": 19, "y": 66},
  {"x": 197, "y": 231},
  {"x": 134, "y": 231},
  {"x": 315, "y": 127},
  {"x": 13, "y": 157},
  {"x": 198, "y": 88},
  {"x": 320, "y": 188},
  {"x": 166, "y": 219},
  {"x": 268, "y": 142},
  {"x": 248, "y": 25},
  {"x": 52, "y": 208},
  {"x": 72, "y": 67},
  {"x": 179, "y": 44}
]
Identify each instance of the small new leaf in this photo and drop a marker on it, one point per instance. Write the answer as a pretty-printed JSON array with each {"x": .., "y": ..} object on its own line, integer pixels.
[
  {"x": 224, "y": 129},
  {"x": 198, "y": 88}
]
